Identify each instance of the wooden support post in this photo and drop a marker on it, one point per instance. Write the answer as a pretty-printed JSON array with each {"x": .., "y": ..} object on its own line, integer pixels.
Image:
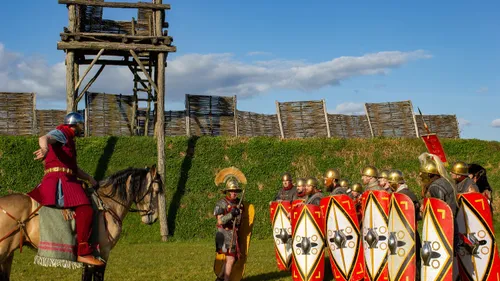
[
  {"x": 144, "y": 70},
  {"x": 34, "y": 125},
  {"x": 88, "y": 69},
  {"x": 417, "y": 133},
  {"x": 369, "y": 122},
  {"x": 160, "y": 122},
  {"x": 235, "y": 113},
  {"x": 326, "y": 118},
  {"x": 70, "y": 64},
  {"x": 279, "y": 120},
  {"x": 87, "y": 115},
  {"x": 91, "y": 81},
  {"x": 188, "y": 118}
]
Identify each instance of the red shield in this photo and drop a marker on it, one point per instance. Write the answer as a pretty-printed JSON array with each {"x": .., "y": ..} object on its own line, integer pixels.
[
  {"x": 282, "y": 233},
  {"x": 478, "y": 254},
  {"x": 375, "y": 233},
  {"x": 402, "y": 238},
  {"x": 307, "y": 244},
  {"x": 437, "y": 241},
  {"x": 343, "y": 237},
  {"x": 434, "y": 146}
]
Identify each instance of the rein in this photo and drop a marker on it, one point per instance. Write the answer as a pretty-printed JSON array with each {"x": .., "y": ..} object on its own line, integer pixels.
[{"x": 21, "y": 227}]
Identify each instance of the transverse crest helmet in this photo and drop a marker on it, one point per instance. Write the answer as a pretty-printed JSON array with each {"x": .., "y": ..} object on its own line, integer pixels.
[
  {"x": 460, "y": 168},
  {"x": 370, "y": 171},
  {"x": 332, "y": 174},
  {"x": 232, "y": 185}
]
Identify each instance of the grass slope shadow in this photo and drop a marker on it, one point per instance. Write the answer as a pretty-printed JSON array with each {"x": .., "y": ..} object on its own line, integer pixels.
[
  {"x": 102, "y": 165},
  {"x": 181, "y": 185}
]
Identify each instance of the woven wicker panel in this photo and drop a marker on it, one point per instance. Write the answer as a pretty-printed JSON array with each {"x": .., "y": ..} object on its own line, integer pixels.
[
  {"x": 17, "y": 114},
  {"x": 48, "y": 120},
  {"x": 211, "y": 115},
  {"x": 392, "y": 119},
  {"x": 252, "y": 124},
  {"x": 303, "y": 119},
  {"x": 445, "y": 126},
  {"x": 349, "y": 126},
  {"x": 175, "y": 123},
  {"x": 141, "y": 122},
  {"x": 109, "y": 115}
]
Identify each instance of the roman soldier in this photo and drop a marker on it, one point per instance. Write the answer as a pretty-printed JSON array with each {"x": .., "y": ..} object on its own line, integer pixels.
[
  {"x": 383, "y": 182},
  {"x": 61, "y": 186},
  {"x": 460, "y": 173},
  {"x": 355, "y": 194},
  {"x": 331, "y": 180},
  {"x": 228, "y": 212},
  {"x": 397, "y": 183},
  {"x": 314, "y": 195},
  {"x": 342, "y": 188},
  {"x": 288, "y": 192},
  {"x": 478, "y": 174},
  {"x": 369, "y": 177},
  {"x": 301, "y": 189}
]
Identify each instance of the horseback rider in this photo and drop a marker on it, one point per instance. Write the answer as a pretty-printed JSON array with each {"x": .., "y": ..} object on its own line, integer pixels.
[
  {"x": 228, "y": 213},
  {"x": 383, "y": 180},
  {"x": 460, "y": 173},
  {"x": 288, "y": 192},
  {"x": 61, "y": 187},
  {"x": 369, "y": 177}
]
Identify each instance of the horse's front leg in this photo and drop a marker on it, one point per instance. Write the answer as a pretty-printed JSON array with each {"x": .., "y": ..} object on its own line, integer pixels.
[
  {"x": 87, "y": 273},
  {"x": 99, "y": 273},
  {"x": 5, "y": 267}
]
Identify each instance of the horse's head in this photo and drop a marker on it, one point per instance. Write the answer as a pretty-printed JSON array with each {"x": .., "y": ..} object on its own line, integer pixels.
[{"x": 146, "y": 199}]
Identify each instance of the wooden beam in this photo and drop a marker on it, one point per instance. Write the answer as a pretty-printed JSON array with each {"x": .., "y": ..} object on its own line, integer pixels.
[
  {"x": 136, "y": 75},
  {"x": 106, "y": 4},
  {"x": 110, "y": 62},
  {"x": 279, "y": 119},
  {"x": 70, "y": 65},
  {"x": 88, "y": 69},
  {"x": 66, "y": 36},
  {"x": 235, "y": 114},
  {"x": 369, "y": 121},
  {"x": 114, "y": 46},
  {"x": 144, "y": 70},
  {"x": 326, "y": 118},
  {"x": 90, "y": 83}
]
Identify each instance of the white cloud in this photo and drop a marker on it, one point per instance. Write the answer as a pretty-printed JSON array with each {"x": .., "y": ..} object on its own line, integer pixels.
[
  {"x": 259, "y": 53},
  {"x": 216, "y": 74},
  {"x": 349, "y": 108},
  {"x": 463, "y": 122},
  {"x": 482, "y": 90},
  {"x": 496, "y": 123}
]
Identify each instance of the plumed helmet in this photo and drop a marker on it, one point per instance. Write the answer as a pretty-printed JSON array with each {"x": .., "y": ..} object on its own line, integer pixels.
[
  {"x": 332, "y": 174},
  {"x": 357, "y": 187},
  {"x": 396, "y": 176},
  {"x": 312, "y": 182},
  {"x": 301, "y": 182},
  {"x": 429, "y": 167},
  {"x": 460, "y": 168},
  {"x": 384, "y": 174},
  {"x": 286, "y": 177},
  {"x": 232, "y": 185},
  {"x": 370, "y": 171},
  {"x": 73, "y": 118},
  {"x": 344, "y": 183}
]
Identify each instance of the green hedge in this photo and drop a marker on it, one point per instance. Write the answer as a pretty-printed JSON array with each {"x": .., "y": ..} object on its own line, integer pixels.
[{"x": 192, "y": 164}]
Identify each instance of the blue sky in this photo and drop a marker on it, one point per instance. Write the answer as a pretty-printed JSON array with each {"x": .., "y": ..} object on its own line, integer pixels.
[{"x": 442, "y": 55}]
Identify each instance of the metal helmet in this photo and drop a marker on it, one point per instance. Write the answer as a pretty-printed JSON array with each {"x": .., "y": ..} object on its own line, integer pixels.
[
  {"x": 460, "y": 168},
  {"x": 232, "y": 185},
  {"x": 74, "y": 118},
  {"x": 312, "y": 182},
  {"x": 286, "y": 177},
  {"x": 357, "y": 187},
  {"x": 384, "y": 174},
  {"x": 332, "y": 174},
  {"x": 396, "y": 176},
  {"x": 344, "y": 183},
  {"x": 301, "y": 182},
  {"x": 429, "y": 168},
  {"x": 370, "y": 171}
]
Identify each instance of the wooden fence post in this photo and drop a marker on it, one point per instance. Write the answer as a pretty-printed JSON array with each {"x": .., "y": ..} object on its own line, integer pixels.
[
  {"x": 188, "y": 129},
  {"x": 326, "y": 118},
  {"x": 369, "y": 122},
  {"x": 235, "y": 116},
  {"x": 279, "y": 119}
]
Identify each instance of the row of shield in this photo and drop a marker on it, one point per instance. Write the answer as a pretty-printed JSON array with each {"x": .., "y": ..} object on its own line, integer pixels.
[{"x": 381, "y": 240}]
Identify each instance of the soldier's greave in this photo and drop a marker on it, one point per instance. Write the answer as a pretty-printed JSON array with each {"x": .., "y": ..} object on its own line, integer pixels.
[{"x": 83, "y": 220}]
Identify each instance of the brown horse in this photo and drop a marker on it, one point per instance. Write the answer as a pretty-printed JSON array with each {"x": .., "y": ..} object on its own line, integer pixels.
[{"x": 19, "y": 222}]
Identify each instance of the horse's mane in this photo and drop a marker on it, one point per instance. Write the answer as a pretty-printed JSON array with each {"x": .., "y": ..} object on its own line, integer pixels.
[{"x": 118, "y": 181}]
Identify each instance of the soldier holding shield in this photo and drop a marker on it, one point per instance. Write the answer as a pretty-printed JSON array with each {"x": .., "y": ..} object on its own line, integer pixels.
[
  {"x": 369, "y": 177},
  {"x": 288, "y": 192},
  {"x": 460, "y": 173}
]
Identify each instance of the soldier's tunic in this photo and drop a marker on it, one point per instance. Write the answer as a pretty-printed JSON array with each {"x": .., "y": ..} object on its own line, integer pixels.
[
  {"x": 373, "y": 186},
  {"x": 443, "y": 190},
  {"x": 467, "y": 185},
  {"x": 287, "y": 194},
  {"x": 314, "y": 198},
  {"x": 224, "y": 233},
  {"x": 339, "y": 191}
]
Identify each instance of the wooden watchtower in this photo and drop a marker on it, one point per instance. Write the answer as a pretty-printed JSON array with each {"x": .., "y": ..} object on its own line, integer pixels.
[{"x": 141, "y": 44}]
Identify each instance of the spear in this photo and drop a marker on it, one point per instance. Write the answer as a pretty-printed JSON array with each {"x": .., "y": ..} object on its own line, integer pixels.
[{"x": 425, "y": 124}]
